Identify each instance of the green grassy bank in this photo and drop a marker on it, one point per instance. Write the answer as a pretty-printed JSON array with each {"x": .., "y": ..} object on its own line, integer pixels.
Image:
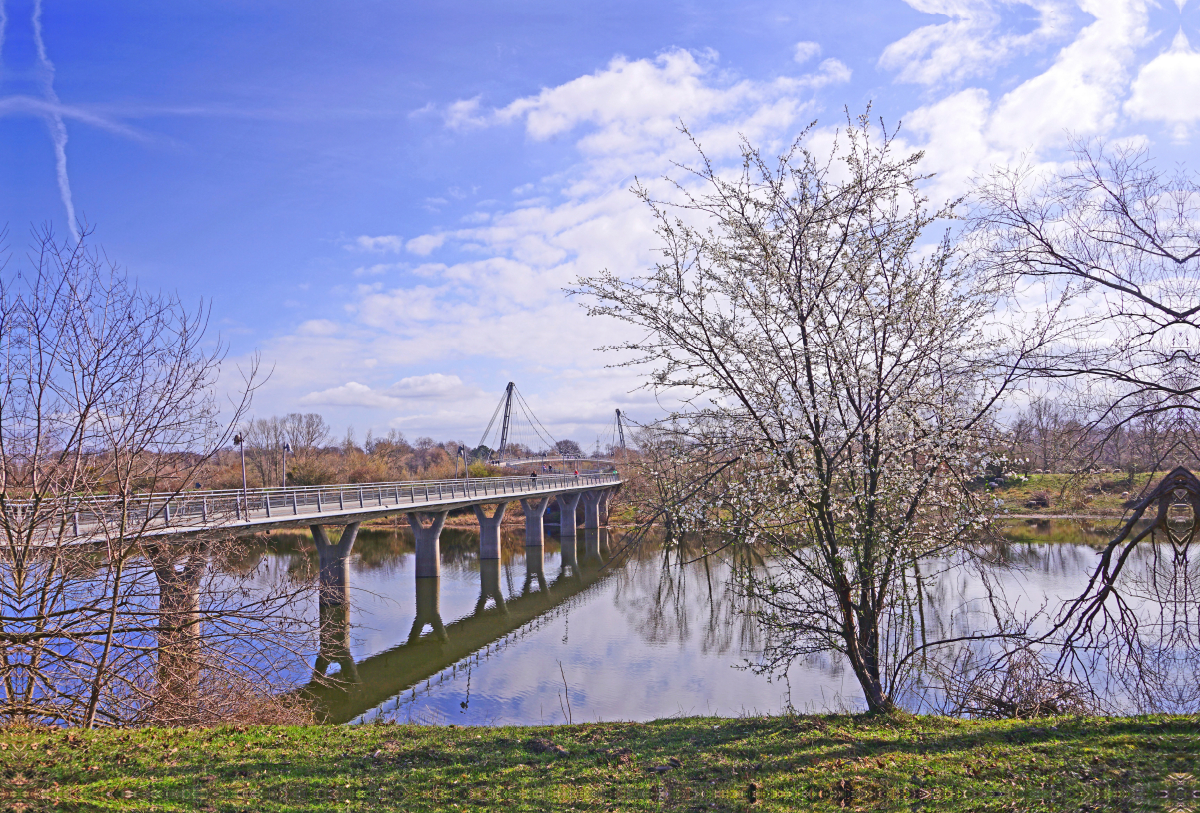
[{"x": 776, "y": 763}]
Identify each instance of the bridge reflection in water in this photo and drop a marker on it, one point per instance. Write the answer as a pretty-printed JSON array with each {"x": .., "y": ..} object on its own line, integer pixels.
[{"x": 355, "y": 688}]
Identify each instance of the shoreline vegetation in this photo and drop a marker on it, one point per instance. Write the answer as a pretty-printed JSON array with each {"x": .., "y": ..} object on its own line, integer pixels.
[{"x": 821, "y": 762}]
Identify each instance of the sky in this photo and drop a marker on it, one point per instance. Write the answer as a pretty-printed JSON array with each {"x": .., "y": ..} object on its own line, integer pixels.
[{"x": 385, "y": 200}]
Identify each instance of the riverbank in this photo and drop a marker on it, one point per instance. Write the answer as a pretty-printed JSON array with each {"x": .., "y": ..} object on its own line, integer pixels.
[{"x": 761, "y": 763}]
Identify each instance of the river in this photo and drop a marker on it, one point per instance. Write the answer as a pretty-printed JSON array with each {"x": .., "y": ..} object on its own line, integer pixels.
[{"x": 605, "y": 634}]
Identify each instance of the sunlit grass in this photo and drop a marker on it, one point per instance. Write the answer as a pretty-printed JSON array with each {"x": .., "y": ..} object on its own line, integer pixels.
[{"x": 769, "y": 763}]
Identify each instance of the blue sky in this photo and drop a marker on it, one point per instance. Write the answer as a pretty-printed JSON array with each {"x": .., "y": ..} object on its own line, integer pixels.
[{"x": 386, "y": 199}]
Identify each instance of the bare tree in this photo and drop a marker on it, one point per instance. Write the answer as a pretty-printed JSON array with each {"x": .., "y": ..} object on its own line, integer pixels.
[
  {"x": 108, "y": 390},
  {"x": 304, "y": 435},
  {"x": 1114, "y": 244},
  {"x": 842, "y": 357}
]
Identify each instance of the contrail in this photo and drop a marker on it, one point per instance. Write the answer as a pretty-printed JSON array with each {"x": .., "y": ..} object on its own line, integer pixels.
[
  {"x": 58, "y": 130},
  {"x": 3, "y": 25}
]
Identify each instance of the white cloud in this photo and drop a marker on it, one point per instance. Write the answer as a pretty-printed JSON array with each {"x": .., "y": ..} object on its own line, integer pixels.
[
  {"x": 1081, "y": 91},
  {"x": 374, "y": 270},
  {"x": 465, "y": 113},
  {"x": 425, "y": 244},
  {"x": 973, "y": 42},
  {"x": 382, "y": 244},
  {"x": 806, "y": 51},
  {"x": 499, "y": 312},
  {"x": 317, "y": 327},
  {"x": 632, "y": 108},
  {"x": 434, "y": 386},
  {"x": 1167, "y": 89},
  {"x": 1078, "y": 93}
]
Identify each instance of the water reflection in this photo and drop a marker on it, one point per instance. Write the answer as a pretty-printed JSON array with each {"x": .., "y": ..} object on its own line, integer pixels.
[
  {"x": 499, "y": 610},
  {"x": 655, "y": 633}
]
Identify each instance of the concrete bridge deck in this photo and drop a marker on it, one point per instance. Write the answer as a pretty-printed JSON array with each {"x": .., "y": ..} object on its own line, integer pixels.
[{"x": 244, "y": 512}]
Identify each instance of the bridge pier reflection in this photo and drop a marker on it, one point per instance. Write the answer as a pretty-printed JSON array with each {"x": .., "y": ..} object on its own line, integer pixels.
[
  {"x": 595, "y": 542},
  {"x": 535, "y": 569},
  {"x": 333, "y": 602},
  {"x": 570, "y": 559},
  {"x": 333, "y": 613},
  {"x": 489, "y": 586},
  {"x": 429, "y": 609}
]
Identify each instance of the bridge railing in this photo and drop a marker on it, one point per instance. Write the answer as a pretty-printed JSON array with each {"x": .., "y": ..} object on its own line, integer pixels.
[{"x": 97, "y": 515}]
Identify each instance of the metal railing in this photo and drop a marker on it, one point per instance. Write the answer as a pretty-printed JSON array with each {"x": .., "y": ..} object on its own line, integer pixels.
[{"x": 165, "y": 512}]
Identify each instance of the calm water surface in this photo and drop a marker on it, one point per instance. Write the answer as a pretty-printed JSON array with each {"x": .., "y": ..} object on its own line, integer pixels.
[{"x": 639, "y": 639}]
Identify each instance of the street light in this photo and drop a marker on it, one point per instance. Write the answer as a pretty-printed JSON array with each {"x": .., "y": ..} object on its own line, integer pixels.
[
  {"x": 241, "y": 444},
  {"x": 286, "y": 449}
]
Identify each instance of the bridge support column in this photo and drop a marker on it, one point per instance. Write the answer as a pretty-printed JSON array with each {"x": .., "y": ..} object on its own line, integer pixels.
[
  {"x": 535, "y": 513},
  {"x": 593, "y": 503},
  {"x": 567, "y": 505},
  {"x": 429, "y": 558},
  {"x": 605, "y": 497},
  {"x": 489, "y": 585},
  {"x": 333, "y": 602},
  {"x": 334, "y": 560},
  {"x": 489, "y": 531},
  {"x": 178, "y": 570}
]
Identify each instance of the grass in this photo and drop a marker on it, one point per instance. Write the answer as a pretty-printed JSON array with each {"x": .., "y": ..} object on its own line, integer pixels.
[
  {"x": 1094, "y": 494},
  {"x": 771, "y": 763}
]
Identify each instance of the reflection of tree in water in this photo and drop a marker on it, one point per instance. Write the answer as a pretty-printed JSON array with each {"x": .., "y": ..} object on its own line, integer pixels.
[
  {"x": 1137, "y": 623},
  {"x": 672, "y": 592}
]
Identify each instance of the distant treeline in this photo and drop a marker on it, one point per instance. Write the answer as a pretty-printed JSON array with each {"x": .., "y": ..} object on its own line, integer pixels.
[{"x": 313, "y": 457}]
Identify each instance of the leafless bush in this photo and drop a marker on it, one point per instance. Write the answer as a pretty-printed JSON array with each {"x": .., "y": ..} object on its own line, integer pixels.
[
  {"x": 108, "y": 391},
  {"x": 1019, "y": 685}
]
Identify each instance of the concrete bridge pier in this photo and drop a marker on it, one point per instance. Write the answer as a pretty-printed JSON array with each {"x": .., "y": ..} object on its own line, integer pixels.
[
  {"x": 333, "y": 602},
  {"x": 489, "y": 531},
  {"x": 429, "y": 610},
  {"x": 334, "y": 558},
  {"x": 595, "y": 508},
  {"x": 535, "y": 514},
  {"x": 429, "y": 558},
  {"x": 605, "y": 498},
  {"x": 567, "y": 505},
  {"x": 489, "y": 586}
]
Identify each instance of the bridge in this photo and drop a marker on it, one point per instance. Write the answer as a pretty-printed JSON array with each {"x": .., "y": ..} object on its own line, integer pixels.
[
  {"x": 171, "y": 523},
  {"x": 240, "y": 512}
]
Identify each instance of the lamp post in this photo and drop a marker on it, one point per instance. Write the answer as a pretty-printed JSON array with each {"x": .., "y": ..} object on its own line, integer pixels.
[
  {"x": 241, "y": 444},
  {"x": 286, "y": 449}
]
